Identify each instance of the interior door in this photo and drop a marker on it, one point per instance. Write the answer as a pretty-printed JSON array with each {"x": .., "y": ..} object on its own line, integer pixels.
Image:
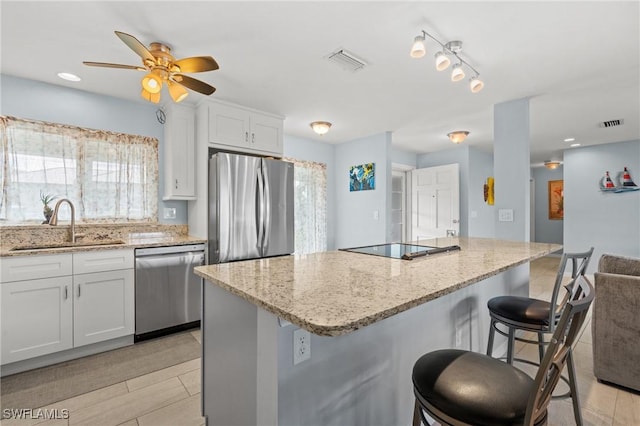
[{"x": 435, "y": 206}]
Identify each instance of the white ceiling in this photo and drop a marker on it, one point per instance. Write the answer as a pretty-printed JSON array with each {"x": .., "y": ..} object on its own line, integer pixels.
[{"x": 577, "y": 61}]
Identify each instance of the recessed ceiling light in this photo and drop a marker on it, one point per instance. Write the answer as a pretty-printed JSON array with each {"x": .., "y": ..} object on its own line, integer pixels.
[
  {"x": 570, "y": 139},
  {"x": 573, "y": 145},
  {"x": 68, "y": 76}
]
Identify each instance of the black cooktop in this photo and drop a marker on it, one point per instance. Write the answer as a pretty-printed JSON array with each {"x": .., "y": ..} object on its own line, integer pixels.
[{"x": 401, "y": 250}]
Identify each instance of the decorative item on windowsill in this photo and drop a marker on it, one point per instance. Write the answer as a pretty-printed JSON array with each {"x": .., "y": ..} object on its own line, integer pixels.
[
  {"x": 607, "y": 185},
  {"x": 46, "y": 210}
]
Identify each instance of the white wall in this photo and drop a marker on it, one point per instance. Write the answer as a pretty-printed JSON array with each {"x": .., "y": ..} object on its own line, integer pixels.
[
  {"x": 511, "y": 165},
  {"x": 309, "y": 150},
  {"x": 355, "y": 222},
  {"x": 546, "y": 230},
  {"x": 481, "y": 215},
  {"x": 607, "y": 221},
  {"x": 35, "y": 100}
]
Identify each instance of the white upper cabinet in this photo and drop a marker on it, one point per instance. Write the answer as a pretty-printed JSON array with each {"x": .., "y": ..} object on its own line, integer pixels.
[
  {"x": 179, "y": 153},
  {"x": 244, "y": 129}
]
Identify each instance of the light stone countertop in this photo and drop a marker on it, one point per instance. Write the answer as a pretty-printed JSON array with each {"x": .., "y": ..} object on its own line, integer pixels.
[
  {"x": 336, "y": 292},
  {"x": 54, "y": 240}
]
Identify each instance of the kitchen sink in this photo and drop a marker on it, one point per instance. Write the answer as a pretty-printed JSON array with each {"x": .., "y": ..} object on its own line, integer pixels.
[{"x": 67, "y": 245}]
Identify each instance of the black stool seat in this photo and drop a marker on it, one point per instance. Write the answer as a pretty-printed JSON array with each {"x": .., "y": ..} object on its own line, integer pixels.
[
  {"x": 521, "y": 309},
  {"x": 472, "y": 388}
]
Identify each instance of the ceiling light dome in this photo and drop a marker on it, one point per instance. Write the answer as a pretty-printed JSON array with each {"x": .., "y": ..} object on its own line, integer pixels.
[
  {"x": 475, "y": 84},
  {"x": 442, "y": 62},
  {"x": 320, "y": 127},
  {"x": 552, "y": 164},
  {"x": 458, "y": 136},
  {"x": 418, "y": 49},
  {"x": 457, "y": 73}
]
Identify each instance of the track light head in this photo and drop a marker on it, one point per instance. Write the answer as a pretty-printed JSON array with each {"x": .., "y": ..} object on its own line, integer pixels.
[
  {"x": 475, "y": 84},
  {"x": 442, "y": 62},
  {"x": 457, "y": 73},
  {"x": 418, "y": 50}
]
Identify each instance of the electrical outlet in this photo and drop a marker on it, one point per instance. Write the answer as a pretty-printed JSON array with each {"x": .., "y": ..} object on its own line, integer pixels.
[
  {"x": 169, "y": 213},
  {"x": 301, "y": 346},
  {"x": 458, "y": 338}
]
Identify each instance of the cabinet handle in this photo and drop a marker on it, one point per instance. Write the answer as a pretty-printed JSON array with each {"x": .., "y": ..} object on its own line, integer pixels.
[
  {"x": 78, "y": 290},
  {"x": 66, "y": 292},
  {"x": 176, "y": 183},
  {"x": 246, "y": 136}
]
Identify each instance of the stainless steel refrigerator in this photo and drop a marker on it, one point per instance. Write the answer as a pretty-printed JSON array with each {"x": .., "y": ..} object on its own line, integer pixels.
[{"x": 250, "y": 207}]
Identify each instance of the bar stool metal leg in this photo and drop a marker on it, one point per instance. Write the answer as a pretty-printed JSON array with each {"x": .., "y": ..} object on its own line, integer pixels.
[
  {"x": 510, "y": 345},
  {"x": 573, "y": 388},
  {"x": 492, "y": 333},
  {"x": 541, "y": 346}
]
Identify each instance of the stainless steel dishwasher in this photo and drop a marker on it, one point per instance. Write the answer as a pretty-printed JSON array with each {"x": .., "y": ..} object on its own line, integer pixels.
[{"x": 167, "y": 290}]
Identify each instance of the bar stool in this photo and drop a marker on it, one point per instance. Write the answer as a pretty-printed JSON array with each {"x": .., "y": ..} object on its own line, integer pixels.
[
  {"x": 534, "y": 315},
  {"x": 456, "y": 387}
]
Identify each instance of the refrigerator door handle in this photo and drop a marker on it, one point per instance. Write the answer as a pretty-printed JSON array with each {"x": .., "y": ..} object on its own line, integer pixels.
[
  {"x": 267, "y": 215},
  {"x": 261, "y": 208}
]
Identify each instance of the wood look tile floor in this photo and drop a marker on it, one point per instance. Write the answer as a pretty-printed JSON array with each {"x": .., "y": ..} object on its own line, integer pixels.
[{"x": 171, "y": 396}]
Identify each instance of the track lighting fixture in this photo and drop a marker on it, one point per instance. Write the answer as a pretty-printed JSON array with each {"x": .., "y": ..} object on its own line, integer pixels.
[{"x": 442, "y": 61}]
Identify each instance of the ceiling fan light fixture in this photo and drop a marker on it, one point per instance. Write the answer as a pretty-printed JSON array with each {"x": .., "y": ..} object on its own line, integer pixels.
[
  {"x": 458, "y": 136},
  {"x": 418, "y": 50},
  {"x": 177, "y": 92},
  {"x": 151, "y": 97},
  {"x": 320, "y": 127},
  {"x": 442, "y": 62},
  {"x": 152, "y": 83}
]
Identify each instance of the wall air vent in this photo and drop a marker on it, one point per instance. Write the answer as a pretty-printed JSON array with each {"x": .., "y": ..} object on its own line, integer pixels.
[
  {"x": 612, "y": 123},
  {"x": 347, "y": 60}
]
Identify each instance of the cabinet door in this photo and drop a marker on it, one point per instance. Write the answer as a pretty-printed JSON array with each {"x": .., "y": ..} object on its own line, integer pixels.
[
  {"x": 179, "y": 158},
  {"x": 266, "y": 134},
  {"x": 103, "y": 306},
  {"x": 229, "y": 126},
  {"x": 36, "y": 318}
]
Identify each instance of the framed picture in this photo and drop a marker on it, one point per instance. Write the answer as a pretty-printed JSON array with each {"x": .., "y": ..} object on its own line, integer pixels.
[
  {"x": 556, "y": 199},
  {"x": 362, "y": 177}
]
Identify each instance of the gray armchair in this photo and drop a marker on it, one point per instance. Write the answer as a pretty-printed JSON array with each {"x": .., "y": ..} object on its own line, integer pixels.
[{"x": 616, "y": 321}]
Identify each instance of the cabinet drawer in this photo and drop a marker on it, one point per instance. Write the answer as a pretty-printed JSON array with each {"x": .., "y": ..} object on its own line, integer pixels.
[
  {"x": 35, "y": 267},
  {"x": 100, "y": 261}
]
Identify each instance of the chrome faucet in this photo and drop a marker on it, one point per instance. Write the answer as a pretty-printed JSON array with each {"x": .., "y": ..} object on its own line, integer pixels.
[{"x": 54, "y": 218}]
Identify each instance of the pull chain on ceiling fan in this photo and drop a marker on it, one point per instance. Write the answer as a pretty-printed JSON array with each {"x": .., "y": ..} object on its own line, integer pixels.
[{"x": 162, "y": 67}]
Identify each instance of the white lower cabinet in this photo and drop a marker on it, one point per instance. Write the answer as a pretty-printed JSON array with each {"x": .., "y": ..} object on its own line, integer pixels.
[
  {"x": 54, "y": 313},
  {"x": 103, "y": 306},
  {"x": 37, "y": 318}
]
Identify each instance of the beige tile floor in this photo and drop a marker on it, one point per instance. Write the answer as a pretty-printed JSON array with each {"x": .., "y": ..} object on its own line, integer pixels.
[{"x": 171, "y": 396}]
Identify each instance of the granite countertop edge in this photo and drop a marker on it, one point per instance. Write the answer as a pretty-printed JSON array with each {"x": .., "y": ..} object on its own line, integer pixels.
[
  {"x": 129, "y": 243},
  {"x": 341, "y": 328}
]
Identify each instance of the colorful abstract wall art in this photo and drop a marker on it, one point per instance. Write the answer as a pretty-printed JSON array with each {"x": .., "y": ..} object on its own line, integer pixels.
[{"x": 362, "y": 177}]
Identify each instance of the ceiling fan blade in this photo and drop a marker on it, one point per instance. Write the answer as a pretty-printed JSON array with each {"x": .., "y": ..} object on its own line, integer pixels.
[
  {"x": 197, "y": 64},
  {"x": 135, "y": 45},
  {"x": 193, "y": 84},
  {"x": 108, "y": 65}
]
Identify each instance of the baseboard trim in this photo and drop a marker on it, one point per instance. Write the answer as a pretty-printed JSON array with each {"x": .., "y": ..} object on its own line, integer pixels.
[{"x": 62, "y": 356}]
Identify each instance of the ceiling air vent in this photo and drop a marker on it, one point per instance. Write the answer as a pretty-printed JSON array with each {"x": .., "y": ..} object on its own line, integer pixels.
[
  {"x": 612, "y": 123},
  {"x": 347, "y": 60}
]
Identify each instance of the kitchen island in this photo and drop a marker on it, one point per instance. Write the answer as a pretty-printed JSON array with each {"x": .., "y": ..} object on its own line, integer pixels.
[{"x": 370, "y": 317}]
